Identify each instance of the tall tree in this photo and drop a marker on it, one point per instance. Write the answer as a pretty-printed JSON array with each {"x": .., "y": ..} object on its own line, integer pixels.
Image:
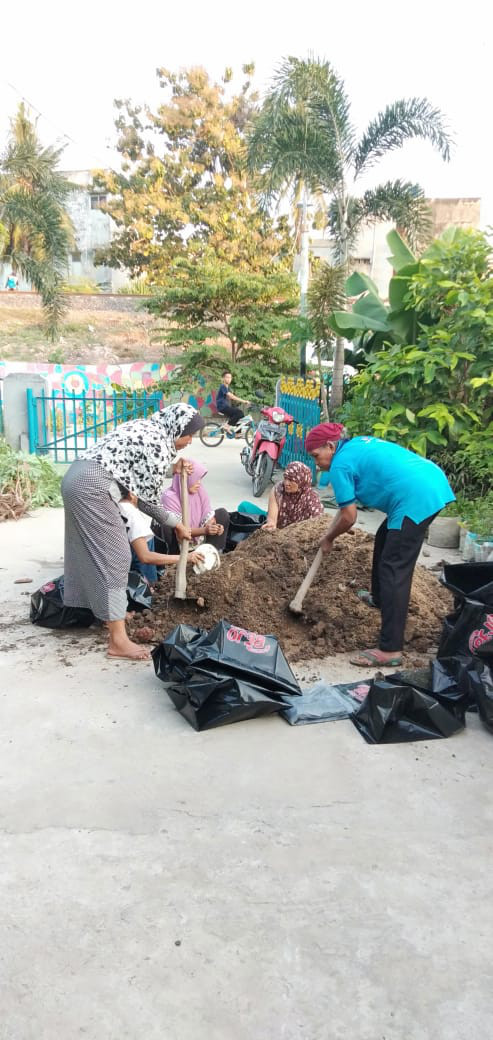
[
  {"x": 35, "y": 229},
  {"x": 303, "y": 139},
  {"x": 183, "y": 188}
]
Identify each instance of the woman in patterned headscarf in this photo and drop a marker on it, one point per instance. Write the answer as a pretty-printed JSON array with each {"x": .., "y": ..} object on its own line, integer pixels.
[
  {"x": 293, "y": 499},
  {"x": 136, "y": 457}
]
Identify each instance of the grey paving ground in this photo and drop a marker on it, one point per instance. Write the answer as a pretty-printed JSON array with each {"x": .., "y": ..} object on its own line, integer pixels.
[{"x": 256, "y": 882}]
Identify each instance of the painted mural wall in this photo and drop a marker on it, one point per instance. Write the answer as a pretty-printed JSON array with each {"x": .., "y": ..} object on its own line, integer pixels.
[{"x": 74, "y": 379}]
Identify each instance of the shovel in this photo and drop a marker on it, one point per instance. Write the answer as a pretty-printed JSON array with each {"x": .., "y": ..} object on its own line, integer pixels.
[
  {"x": 181, "y": 569},
  {"x": 296, "y": 605}
]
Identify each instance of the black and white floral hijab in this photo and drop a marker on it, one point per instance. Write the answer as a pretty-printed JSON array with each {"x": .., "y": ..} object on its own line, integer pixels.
[{"x": 138, "y": 453}]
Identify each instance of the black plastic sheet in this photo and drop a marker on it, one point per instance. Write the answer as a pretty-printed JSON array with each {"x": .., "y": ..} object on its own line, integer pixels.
[
  {"x": 241, "y": 526},
  {"x": 49, "y": 611},
  {"x": 396, "y": 713},
  {"x": 139, "y": 595},
  {"x": 223, "y": 676}
]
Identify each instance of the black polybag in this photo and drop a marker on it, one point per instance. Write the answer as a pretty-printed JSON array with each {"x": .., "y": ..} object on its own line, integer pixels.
[
  {"x": 241, "y": 526},
  {"x": 396, "y": 713},
  {"x": 48, "y": 609},
  {"x": 139, "y": 595},
  {"x": 474, "y": 580},
  {"x": 465, "y": 651},
  {"x": 472, "y": 680},
  {"x": 223, "y": 676},
  {"x": 468, "y": 630},
  {"x": 480, "y": 681},
  {"x": 208, "y": 700},
  {"x": 437, "y": 682},
  {"x": 251, "y": 656}
]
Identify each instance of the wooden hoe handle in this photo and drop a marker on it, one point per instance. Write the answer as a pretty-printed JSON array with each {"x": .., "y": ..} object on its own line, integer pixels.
[
  {"x": 181, "y": 570},
  {"x": 296, "y": 604}
]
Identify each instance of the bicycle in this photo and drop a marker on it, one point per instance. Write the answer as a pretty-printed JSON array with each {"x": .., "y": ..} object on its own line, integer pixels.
[{"x": 214, "y": 432}]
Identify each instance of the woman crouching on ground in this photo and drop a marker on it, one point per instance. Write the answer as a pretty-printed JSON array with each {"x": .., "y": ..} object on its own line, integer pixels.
[
  {"x": 293, "y": 499},
  {"x": 137, "y": 455},
  {"x": 206, "y": 524}
]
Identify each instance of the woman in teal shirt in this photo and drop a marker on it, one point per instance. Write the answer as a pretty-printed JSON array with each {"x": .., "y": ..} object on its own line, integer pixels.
[{"x": 410, "y": 490}]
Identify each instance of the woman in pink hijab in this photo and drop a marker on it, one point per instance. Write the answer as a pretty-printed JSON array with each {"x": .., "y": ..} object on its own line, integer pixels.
[{"x": 206, "y": 524}]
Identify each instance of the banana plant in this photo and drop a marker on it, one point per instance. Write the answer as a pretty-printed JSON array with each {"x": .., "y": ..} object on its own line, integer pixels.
[{"x": 372, "y": 322}]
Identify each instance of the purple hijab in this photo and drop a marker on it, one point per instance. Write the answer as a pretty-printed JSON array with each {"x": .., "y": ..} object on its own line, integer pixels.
[{"x": 199, "y": 505}]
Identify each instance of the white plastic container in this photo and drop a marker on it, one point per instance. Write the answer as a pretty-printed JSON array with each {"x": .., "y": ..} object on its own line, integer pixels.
[
  {"x": 211, "y": 561},
  {"x": 468, "y": 549},
  {"x": 483, "y": 550}
]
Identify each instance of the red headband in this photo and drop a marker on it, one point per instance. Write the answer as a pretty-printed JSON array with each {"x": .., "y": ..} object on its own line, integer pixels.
[{"x": 322, "y": 434}]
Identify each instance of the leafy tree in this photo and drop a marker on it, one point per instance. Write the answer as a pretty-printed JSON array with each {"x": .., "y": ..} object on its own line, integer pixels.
[
  {"x": 303, "y": 139},
  {"x": 434, "y": 392},
  {"x": 198, "y": 370},
  {"x": 183, "y": 189},
  {"x": 210, "y": 300},
  {"x": 35, "y": 229}
]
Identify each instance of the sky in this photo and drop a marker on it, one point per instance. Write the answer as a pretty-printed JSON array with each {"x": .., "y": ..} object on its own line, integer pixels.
[{"x": 70, "y": 62}]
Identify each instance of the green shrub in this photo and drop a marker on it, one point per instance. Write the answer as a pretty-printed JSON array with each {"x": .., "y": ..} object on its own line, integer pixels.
[{"x": 26, "y": 482}]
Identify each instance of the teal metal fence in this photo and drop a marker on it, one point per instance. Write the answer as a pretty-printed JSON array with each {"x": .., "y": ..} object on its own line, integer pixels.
[
  {"x": 63, "y": 425},
  {"x": 306, "y": 411}
]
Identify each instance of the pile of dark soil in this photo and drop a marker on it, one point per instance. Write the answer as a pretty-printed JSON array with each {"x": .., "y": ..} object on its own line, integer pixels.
[{"x": 256, "y": 583}]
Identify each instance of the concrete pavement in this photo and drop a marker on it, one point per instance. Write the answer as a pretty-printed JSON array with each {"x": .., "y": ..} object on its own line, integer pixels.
[{"x": 258, "y": 882}]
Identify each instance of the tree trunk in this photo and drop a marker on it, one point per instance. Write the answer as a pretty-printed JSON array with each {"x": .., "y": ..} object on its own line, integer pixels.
[
  {"x": 337, "y": 388},
  {"x": 323, "y": 388}
]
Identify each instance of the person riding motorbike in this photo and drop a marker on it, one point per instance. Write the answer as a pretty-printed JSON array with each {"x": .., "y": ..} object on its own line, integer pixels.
[{"x": 224, "y": 403}]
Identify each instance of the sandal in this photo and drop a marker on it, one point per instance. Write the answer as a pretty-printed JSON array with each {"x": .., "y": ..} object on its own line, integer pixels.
[
  {"x": 366, "y": 597},
  {"x": 374, "y": 657}
]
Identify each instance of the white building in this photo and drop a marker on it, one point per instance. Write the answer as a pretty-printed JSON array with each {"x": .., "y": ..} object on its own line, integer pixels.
[
  {"x": 93, "y": 230},
  {"x": 371, "y": 249}
]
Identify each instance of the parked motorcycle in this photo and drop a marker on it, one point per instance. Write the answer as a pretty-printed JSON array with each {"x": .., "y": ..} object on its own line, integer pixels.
[{"x": 270, "y": 436}]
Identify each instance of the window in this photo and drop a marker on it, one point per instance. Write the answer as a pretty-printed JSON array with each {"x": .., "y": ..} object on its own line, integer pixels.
[
  {"x": 98, "y": 200},
  {"x": 76, "y": 256}
]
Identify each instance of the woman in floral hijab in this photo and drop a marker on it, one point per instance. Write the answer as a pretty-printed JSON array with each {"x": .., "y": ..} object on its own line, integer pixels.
[
  {"x": 135, "y": 457},
  {"x": 293, "y": 499}
]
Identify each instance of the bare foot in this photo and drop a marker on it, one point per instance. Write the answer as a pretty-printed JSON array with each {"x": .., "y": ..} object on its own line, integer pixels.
[{"x": 124, "y": 648}]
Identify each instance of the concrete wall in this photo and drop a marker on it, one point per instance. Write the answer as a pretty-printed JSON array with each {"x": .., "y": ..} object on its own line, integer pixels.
[
  {"x": 15, "y": 415},
  {"x": 464, "y": 213},
  {"x": 78, "y": 301}
]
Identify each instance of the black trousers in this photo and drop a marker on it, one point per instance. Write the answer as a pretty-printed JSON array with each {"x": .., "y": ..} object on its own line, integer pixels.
[
  {"x": 218, "y": 540},
  {"x": 233, "y": 415},
  {"x": 394, "y": 559}
]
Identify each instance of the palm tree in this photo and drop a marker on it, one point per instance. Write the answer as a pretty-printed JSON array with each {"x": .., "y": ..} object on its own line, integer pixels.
[
  {"x": 35, "y": 229},
  {"x": 302, "y": 140}
]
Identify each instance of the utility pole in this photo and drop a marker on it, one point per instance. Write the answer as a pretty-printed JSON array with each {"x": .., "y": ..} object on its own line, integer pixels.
[{"x": 304, "y": 273}]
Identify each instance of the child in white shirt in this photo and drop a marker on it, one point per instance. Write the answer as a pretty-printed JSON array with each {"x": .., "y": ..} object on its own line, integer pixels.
[{"x": 144, "y": 559}]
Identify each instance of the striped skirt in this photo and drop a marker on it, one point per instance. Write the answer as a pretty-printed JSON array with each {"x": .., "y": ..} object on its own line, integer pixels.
[{"x": 97, "y": 552}]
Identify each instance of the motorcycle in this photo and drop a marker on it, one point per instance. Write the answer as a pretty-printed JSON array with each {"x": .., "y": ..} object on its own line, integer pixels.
[{"x": 268, "y": 442}]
